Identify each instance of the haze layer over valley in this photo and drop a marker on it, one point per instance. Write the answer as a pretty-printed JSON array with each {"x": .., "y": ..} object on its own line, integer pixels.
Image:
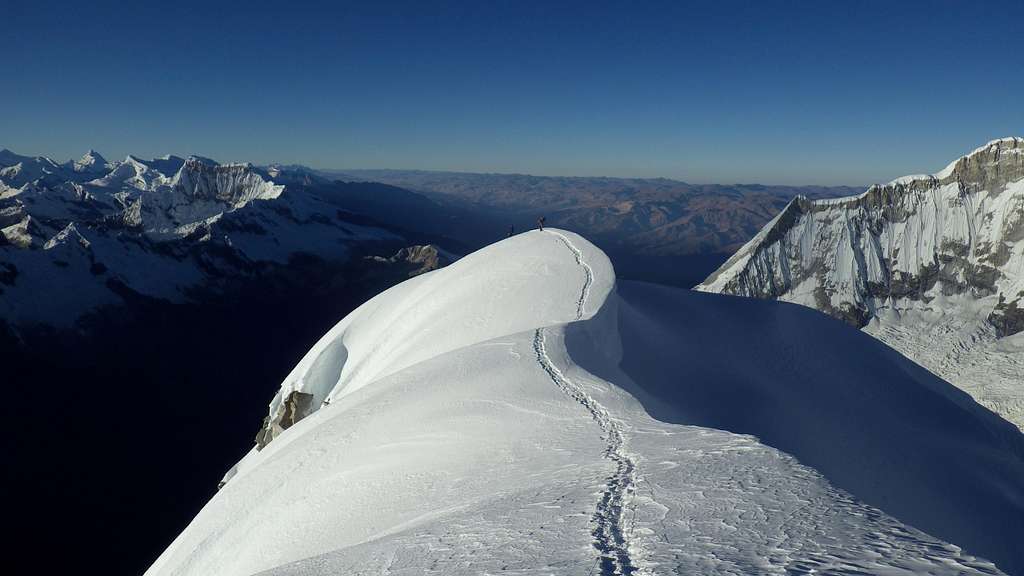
[{"x": 654, "y": 229}]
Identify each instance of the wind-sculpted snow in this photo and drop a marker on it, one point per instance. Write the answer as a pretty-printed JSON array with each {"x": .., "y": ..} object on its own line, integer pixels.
[
  {"x": 581, "y": 303},
  {"x": 375, "y": 341},
  {"x": 609, "y": 531},
  {"x": 918, "y": 255},
  {"x": 965, "y": 351},
  {"x": 495, "y": 416},
  {"x": 883, "y": 430}
]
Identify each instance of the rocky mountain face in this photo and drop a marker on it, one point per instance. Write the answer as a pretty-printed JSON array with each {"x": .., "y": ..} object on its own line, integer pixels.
[
  {"x": 416, "y": 260},
  {"x": 931, "y": 264}
]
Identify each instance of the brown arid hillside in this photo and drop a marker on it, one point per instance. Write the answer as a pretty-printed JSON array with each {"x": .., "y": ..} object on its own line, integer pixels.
[{"x": 653, "y": 217}]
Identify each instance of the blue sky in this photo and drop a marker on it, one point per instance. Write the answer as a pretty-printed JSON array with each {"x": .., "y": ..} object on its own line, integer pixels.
[{"x": 773, "y": 92}]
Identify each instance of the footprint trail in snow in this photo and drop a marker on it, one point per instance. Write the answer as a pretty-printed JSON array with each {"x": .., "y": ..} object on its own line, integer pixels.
[{"x": 610, "y": 537}]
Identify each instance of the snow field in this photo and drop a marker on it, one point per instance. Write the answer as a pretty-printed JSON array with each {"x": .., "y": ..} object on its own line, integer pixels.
[{"x": 493, "y": 417}]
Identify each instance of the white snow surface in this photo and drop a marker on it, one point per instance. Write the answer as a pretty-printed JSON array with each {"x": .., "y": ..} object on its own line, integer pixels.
[{"x": 517, "y": 412}]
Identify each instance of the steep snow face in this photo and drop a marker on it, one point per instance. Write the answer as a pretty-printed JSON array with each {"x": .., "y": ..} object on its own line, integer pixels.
[
  {"x": 198, "y": 192},
  {"x": 159, "y": 228},
  {"x": 933, "y": 265},
  {"x": 484, "y": 418},
  {"x": 233, "y": 184},
  {"x": 170, "y": 197}
]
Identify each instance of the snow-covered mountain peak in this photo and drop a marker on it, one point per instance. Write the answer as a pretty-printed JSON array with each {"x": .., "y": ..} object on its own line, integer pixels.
[
  {"x": 130, "y": 159},
  {"x": 9, "y": 158},
  {"x": 131, "y": 172},
  {"x": 17, "y": 170},
  {"x": 91, "y": 161},
  {"x": 157, "y": 227},
  {"x": 486, "y": 417},
  {"x": 942, "y": 252},
  {"x": 430, "y": 316},
  {"x": 963, "y": 215},
  {"x": 69, "y": 234},
  {"x": 989, "y": 167},
  {"x": 232, "y": 184},
  {"x": 1010, "y": 144},
  {"x": 203, "y": 159}
]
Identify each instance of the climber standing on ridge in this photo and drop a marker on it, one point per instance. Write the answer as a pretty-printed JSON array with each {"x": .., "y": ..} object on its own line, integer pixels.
[
  {"x": 511, "y": 231},
  {"x": 540, "y": 223}
]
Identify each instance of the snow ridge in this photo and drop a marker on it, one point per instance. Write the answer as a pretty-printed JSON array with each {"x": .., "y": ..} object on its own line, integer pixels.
[
  {"x": 610, "y": 535},
  {"x": 585, "y": 293},
  {"x": 455, "y": 442}
]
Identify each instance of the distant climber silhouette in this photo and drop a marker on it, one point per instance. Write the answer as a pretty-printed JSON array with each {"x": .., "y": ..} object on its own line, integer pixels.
[
  {"x": 540, "y": 223},
  {"x": 511, "y": 231}
]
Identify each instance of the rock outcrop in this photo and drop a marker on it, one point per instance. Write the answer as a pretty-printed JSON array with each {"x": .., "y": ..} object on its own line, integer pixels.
[
  {"x": 416, "y": 260},
  {"x": 295, "y": 407}
]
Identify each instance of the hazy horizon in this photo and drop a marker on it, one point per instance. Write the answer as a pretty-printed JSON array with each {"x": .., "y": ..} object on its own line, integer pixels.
[
  {"x": 498, "y": 172},
  {"x": 773, "y": 92},
  {"x": 120, "y": 157}
]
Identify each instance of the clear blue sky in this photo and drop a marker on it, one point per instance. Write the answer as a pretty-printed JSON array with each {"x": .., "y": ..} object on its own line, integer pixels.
[{"x": 775, "y": 92}]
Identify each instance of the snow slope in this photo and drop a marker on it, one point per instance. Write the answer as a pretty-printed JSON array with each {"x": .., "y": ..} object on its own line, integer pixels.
[
  {"x": 496, "y": 416},
  {"x": 932, "y": 265}
]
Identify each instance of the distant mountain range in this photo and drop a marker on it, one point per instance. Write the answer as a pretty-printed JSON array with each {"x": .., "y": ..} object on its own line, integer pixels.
[
  {"x": 653, "y": 216},
  {"x": 180, "y": 228},
  {"x": 933, "y": 265},
  {"x": 81, "y": 235}
]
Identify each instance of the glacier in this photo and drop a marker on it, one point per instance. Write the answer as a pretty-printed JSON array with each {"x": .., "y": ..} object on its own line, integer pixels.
[
  {"x": 520, "y": 411},
  {"x": 932, "y": 265}
]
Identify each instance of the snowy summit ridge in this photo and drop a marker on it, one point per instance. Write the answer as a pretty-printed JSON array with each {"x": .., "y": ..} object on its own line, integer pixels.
[
  {"x": 495, "y": 415},
  {"x": 933, "y": 265}
]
